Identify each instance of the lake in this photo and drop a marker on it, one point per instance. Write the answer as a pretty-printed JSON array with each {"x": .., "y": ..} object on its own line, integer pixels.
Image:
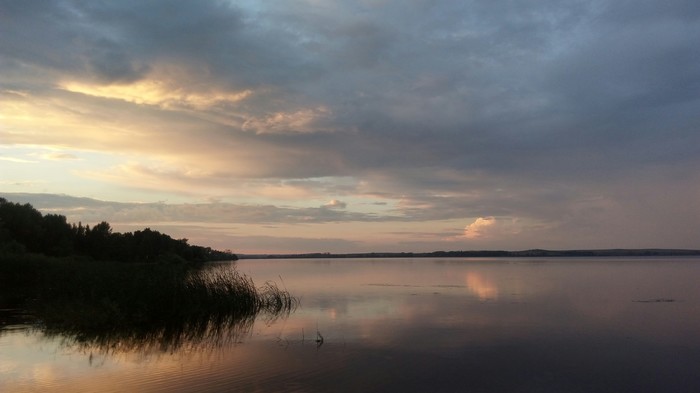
[{"x": 412, "y": 325}]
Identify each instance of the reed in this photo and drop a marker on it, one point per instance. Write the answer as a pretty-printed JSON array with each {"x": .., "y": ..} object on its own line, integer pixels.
[{"x": 85, "y": 296}]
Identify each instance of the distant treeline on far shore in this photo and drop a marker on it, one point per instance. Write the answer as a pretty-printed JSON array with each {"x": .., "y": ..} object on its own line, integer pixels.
[
  {"x": 23, "y": 229},
  {"x": 492, "y": 254}
]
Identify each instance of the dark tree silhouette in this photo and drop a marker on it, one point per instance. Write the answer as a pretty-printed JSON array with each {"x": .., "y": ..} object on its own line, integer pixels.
[
  {"x": 24, "y": 229},
  {"x": 58, "y": 236},
  {"x": 21, "y": 224}
]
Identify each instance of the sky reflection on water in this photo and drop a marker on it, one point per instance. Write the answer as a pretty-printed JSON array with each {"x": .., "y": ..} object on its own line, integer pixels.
[{"x": 422, "y": 325}]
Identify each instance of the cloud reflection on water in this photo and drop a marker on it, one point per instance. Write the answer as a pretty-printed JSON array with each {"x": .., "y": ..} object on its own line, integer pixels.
[
  {"x": 447, "y": 325},
  {"x": 482, "y": 287}
]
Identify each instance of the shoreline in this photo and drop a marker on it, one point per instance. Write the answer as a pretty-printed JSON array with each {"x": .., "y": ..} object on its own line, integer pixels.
[{"x": 618, "y": 252}]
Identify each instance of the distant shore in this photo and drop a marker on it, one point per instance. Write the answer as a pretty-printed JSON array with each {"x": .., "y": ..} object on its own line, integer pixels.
[{"x": 617, "y": 252}]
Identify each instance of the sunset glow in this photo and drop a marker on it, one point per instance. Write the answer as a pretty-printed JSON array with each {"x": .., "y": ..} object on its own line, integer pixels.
[{"x": 357, "y": 126}]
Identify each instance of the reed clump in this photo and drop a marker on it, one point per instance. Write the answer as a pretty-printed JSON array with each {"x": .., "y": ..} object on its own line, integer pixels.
[{"x": 84, "y": 296}]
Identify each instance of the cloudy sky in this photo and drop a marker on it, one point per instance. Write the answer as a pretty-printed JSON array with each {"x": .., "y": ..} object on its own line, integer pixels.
[{"x": 353, "y": 126}]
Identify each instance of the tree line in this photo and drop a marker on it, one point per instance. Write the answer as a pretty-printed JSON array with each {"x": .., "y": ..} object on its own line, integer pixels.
[{"x": 24, "y": 229}]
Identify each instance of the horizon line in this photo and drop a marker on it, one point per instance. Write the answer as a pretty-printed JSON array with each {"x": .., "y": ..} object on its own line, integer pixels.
[{"x": 535, "y": 252}]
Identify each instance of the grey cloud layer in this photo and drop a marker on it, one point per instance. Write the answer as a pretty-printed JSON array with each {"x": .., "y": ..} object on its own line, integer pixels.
[
  {"x": 447, "y": 83},
  {"x": 93, "y": 211},
  {"x": 472, "y": 108}
]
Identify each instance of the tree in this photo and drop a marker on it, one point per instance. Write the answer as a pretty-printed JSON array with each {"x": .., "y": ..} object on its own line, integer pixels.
[
  {"x": 98, "y": 239},
  {"x": 23, "y": 228},
  {"x": 22, "y": 224},
  {"x": 58, "y": 236}
]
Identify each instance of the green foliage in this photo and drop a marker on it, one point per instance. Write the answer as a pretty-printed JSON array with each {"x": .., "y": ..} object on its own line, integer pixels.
[{"x": 23, "y": 228}]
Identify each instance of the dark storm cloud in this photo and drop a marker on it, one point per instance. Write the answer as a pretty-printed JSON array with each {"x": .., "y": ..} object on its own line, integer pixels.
[{"x": 118, "y": 41}]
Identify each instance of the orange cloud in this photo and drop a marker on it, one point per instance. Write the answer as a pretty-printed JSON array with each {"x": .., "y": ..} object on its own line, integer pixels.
[
  {"x": 479, "y": 228},
  {"x": 158, "y": 92},
  {"x": 300, "y": 121}
]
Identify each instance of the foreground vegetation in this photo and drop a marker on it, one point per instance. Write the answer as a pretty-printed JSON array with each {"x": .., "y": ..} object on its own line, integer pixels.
[
  {"x": 80, "y": 292},
  {"x": 97, "y": 286},
  {"x": 88, "y": 295}
]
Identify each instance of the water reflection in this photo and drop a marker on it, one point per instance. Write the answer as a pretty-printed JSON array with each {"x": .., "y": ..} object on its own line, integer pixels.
[
  {"x": 189, "y": 335},
  {"x": 505, "y": 324},
  {"x": 414, "y": 325},
  {"x": 482, "y": 287}
]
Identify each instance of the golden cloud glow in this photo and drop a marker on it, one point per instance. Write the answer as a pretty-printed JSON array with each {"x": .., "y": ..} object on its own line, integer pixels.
[
  {"x": 169, "y": 94},
  {"x": 159, "y": 93},
  {"x": 478, "y": 228},
  {"x": 301, "y": 121},
  {"x": 48, "y": 122},
  {"x": 17, "y": 160},
  {"x": 57, "y": 156},
  {"x": 284, "y": 191}
]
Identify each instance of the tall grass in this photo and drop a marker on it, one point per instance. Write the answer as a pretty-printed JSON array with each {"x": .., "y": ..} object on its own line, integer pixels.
[{"x": 96, "y": 301}]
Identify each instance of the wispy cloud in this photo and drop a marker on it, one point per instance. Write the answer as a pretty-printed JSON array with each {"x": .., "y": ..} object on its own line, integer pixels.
[
  {"x": 335, "y": 204},
  {"x": 57, "y": 156},
  {"x": 18, "y": 160}
]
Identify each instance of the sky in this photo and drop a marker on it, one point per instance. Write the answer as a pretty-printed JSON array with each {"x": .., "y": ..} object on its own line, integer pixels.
[{"x": 358, "y": 126}]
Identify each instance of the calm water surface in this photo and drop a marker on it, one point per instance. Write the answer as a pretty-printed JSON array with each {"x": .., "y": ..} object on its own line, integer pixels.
[{"x": 414, "y": 325}]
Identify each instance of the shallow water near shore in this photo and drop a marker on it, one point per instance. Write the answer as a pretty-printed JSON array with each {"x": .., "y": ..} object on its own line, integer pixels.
[{"x": 411, "y": 325}]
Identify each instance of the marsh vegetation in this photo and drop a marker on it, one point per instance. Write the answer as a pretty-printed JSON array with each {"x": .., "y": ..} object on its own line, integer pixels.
[
  {"x": 96, "y": 285},
  {"x": 113, "y": 304}
]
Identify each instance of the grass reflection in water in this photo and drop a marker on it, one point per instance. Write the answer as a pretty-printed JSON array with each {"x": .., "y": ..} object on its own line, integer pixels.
[{"x": 124, "y": 307}]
